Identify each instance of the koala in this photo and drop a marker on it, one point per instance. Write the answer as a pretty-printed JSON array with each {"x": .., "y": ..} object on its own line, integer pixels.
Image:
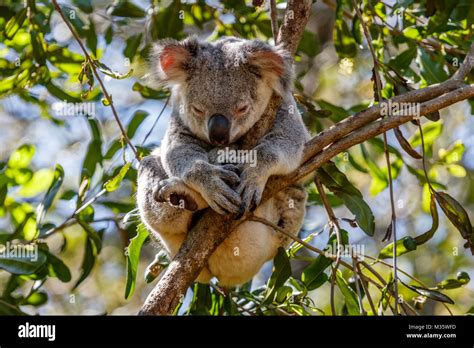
[{"x": 220, "y": 91}]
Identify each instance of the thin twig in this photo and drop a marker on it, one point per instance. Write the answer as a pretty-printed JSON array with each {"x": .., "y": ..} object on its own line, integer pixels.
[
  {"x": 334, "y": 226},
  {"x": 376, "y": 260},
  {"x": 156, "y": 120},
  {"x": 423, "y": 153},
  {"x": 378, "y": 85},
  {"x": 321, "y": 252},
  {"x": 356, "y": 279},
  {"x": 366, "y": 289},
  {"x": 94, "y": 70}
]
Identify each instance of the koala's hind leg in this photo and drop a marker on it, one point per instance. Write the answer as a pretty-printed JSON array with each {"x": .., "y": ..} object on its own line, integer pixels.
[
  {"x": 251, "y": 244},
  {"x": 166, "y": 222},
  {"x": 291, "y": 206}
]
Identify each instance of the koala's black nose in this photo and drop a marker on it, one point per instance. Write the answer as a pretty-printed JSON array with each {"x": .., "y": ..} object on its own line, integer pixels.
[{"x": 219, "y": 129}]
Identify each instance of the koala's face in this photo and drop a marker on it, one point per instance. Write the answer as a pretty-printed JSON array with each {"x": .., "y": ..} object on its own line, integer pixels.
[{"x": 222, "y": 89}]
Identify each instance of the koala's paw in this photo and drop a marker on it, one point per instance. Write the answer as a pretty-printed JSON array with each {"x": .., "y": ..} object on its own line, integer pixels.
[
  {"x": 251, "y": 188},
  {"x": 177, "y": 194},
  {"x": 216, "y": 185}
]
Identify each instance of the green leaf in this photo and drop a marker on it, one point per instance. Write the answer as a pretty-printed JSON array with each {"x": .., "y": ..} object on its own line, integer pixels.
[
  {"x": 313, "y": 276},
  {"x": 90, "y": 253},
  {"x": 127, "y": 9},
  {"x": 423, "y": 238},
  {"x": 40, "y": 182},
  {"x": 357, "y": 30},
  {"x": 462, "y": 278},
  {"x": 94, "y": 151},
  {"x": 91, "y": 37},
  {"x": 457, "y": 170},
  {"x": 84, "y": 5},
  {"x": 149, "y": 93},
  {"x": 379, "y": 179},
  {"x": 109, "y": 72},
  {"x": 363, "y": 214},
  {"x": 281, "y": 272},
  {"x": 309, "y": 44},
  {"x": 114, "y": 183},
  {"x": 350, "y": 296},
  {"x": 405, "y": 144},
  {"x": 57, "y": 268},
  {"x": 335, "y": 180},
  {"x": 404, "y": 59},
  {"x": 9, "y": 309},
  {"x": 336, "y": 114},
  {"x": 404, "y": 245},
  {"x": 109, "y": 33},
  {"x": 22, "y": 265},
  {"x": 344, "y": 42},
  {"x": 138, "y": 117},
  {"x": 431, "y": 68},
  {"x": 408, "y": 243},
  {"x": 453, "y": 154},
  {"x": 431, "y": 131},
  {"x": 94, "y": 236},
  {"x": 457, "y": 215},
  {"x": 131, "y": 46},
  {"x": 36, "y": 299},
  {"x": 338, "y": 183},
  {"x": 429, "y": 293},
  {"x": 133, "y": 256},
  {"x": 61, "y": 94},
  {"x": 168, "y": 23},
  {"x": 50, "y": 194},
  {"x": 15, "y": 23},
  {"x": 412, "y": 33},
  {"x": 21, "y": 157},
  {"x": 37, "y": 44}
]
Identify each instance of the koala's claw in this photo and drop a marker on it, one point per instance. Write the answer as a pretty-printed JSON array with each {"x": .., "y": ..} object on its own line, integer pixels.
[
  {"x": 229, "y": 175},
  {"x": 250, "y": 190},
  {"x": 175, "y": 193},
  {"x": 251, "y": 197},
  {"x": 241, "y": 213},
  {"x": 224, "y": 200},
  {"x": 216, "y": 186}
]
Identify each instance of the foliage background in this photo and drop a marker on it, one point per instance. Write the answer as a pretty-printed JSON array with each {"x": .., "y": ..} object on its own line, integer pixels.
[{"x": 40, "y": 64}]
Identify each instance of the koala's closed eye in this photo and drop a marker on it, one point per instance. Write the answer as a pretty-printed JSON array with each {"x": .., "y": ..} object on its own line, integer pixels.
[
  {"x": 197, "y": 110},
  {"x": 242, "y": 109}
]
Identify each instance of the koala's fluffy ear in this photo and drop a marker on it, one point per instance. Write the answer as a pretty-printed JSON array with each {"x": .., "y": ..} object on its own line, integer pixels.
[
  {"x": 172, "y": 59},
  {"x": 274, "y": 64}
]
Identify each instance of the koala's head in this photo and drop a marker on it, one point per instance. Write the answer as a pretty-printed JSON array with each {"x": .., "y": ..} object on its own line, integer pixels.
[{"x": 221, "y": 89}]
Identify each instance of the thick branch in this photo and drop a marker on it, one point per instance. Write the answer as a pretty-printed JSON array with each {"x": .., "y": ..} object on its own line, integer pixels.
[{"x": 213, "y": 228}]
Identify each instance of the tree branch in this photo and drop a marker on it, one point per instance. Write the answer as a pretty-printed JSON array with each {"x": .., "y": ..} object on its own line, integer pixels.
[{"x": 212, "y": 228}]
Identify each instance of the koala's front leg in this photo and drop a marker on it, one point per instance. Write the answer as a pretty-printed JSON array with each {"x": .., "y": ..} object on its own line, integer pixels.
[
  {"x": 166, "y": 222},
  {"x": 278, "y": 153},
  {"x": 186, "y": 158}
]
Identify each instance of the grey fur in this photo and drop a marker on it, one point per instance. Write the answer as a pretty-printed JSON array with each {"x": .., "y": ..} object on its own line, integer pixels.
[{"x": 212, "y": 78}]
